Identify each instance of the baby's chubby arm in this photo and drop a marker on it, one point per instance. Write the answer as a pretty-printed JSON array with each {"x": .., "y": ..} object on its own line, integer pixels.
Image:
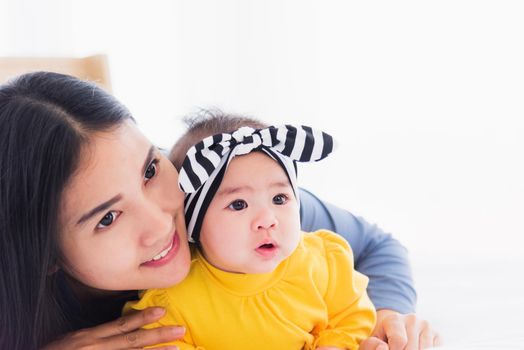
[
  {"x": 376, "y": 254},
  {"x": 351, "y": 315},
  {"x": 157, "y": 298}
]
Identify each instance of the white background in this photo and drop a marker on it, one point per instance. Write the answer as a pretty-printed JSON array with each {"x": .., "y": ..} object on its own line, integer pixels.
[{"x": 425, "y": 98}]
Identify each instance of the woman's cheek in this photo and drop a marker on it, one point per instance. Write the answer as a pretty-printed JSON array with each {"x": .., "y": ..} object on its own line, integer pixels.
[{"x": 109, "y": 254}]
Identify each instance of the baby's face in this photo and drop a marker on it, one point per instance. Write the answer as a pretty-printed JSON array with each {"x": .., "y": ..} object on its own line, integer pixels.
[{"x": 253, "y": 222}]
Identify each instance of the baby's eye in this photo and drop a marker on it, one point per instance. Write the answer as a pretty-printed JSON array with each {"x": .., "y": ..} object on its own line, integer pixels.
[
  {"x": 151, "y": 169},
  {"x": 238, "y": 204},
  {"x": 108, "y": 219},
  {"x": 280, "y": 199}
]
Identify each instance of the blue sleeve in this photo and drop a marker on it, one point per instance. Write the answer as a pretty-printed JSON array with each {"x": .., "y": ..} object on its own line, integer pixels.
[{"x": 377, "y": 254}]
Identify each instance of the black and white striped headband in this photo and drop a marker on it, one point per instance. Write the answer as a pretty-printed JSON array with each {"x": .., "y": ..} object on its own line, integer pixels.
[{"x": 206, "y": 162}]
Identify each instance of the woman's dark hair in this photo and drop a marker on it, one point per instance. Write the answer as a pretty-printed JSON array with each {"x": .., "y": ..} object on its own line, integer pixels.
[{"x": 45, "y": 120}]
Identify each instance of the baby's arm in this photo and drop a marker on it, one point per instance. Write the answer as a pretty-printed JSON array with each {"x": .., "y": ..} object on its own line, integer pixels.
[
  {"x": 385, "y": 261},
  {"x": 171, "y": 318},
  {"x": 351, "y": 315},
  {"x": 377, "y": 254}
]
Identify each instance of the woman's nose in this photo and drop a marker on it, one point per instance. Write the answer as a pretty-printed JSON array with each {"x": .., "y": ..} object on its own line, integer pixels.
[
  {"x": 265, "y": 219},
  {"x": 154, "y": 222}
]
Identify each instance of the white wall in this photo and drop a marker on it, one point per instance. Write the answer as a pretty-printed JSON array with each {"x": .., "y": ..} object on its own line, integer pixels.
[
  {"x": 424, "y": 97},
  {"x": 37, "y": 28}
]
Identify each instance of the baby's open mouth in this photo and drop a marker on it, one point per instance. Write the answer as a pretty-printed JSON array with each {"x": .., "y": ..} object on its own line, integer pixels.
[
  {"x": 267, "y": 250},
  {"x": 266, "y": 246}
]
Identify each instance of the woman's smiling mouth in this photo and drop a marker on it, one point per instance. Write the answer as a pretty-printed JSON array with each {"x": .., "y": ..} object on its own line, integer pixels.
[{"x": 165, "y": 255}]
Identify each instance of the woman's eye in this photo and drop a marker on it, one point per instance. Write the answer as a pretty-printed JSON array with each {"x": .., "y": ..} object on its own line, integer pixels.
[
  {"x": 108, "y": 219},
  {"x": 151, "y": 170},
  {"x": 280, "y": 199},
  {"x": 239, "y": 204}
]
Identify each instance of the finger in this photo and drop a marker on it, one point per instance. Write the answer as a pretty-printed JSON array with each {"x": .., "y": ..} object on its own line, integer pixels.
[
  {"x": 427, "y": 339},
  {"x": 395, "y": 332},
  {"x": 379, "y": 332},
  {"x": 128, "y": 323},
  {"x": 373, "y": 343},
  {"x": 143, "y": 337},
  {"x": 437, "y": 341},
  {"x": 168, "y": 347},
  {"x": 413, "y": 329}
]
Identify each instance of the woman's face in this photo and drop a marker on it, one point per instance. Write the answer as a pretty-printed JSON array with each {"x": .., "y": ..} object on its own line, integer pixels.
[{"x": 122, "y": 215}]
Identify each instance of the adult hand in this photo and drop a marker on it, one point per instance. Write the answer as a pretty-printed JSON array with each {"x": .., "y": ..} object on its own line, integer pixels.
[
  {"x": 123, "y": 333},
  {"x": 395, "y": 331}
]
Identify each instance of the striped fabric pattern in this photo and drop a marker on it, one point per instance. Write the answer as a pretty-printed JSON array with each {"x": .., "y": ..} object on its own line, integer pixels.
[{"x": 206, "y": 162}]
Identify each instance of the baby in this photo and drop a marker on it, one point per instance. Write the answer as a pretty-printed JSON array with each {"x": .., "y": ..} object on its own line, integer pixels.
[{"x": 257, "y": 281}]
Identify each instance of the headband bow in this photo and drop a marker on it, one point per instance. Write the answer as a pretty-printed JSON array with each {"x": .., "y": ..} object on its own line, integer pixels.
[
  {"x": 298, "y": 143},
  {"x": 206, "y": 162}
]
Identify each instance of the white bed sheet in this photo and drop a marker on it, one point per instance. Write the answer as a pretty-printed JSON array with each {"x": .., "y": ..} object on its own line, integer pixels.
[{"x": 474, "y": 303}]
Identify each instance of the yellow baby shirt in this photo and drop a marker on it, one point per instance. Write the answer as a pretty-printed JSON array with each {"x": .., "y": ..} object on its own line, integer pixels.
[{"x": 313, "y": 298}]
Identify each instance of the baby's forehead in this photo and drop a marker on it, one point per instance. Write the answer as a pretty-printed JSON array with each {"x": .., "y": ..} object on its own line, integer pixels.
[
  {"x": 257, "y": 170},
  {"x": 255, "y": 160}
]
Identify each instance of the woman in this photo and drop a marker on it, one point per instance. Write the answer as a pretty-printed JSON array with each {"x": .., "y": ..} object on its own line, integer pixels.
[{"x": 90, "y": 212}]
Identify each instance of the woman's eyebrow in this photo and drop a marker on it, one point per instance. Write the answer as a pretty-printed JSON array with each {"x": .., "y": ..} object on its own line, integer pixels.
[{"x": 99, "y": 208}]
